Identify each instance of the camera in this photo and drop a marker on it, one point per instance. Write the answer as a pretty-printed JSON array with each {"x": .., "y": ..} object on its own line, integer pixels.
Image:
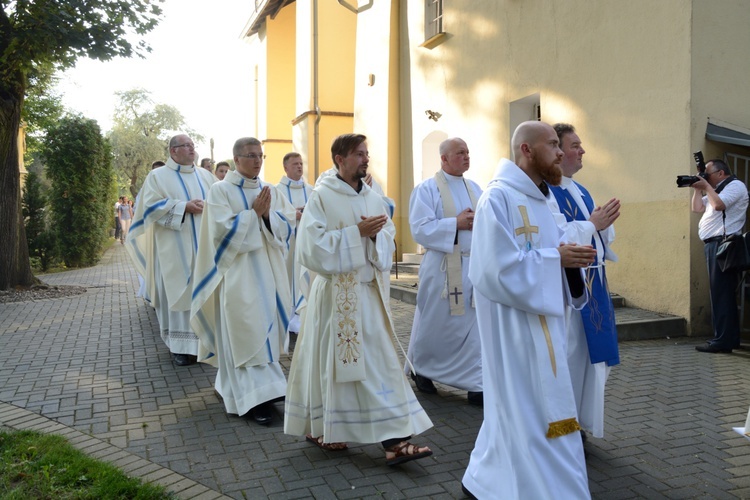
[{"x": 689, "y": 180}]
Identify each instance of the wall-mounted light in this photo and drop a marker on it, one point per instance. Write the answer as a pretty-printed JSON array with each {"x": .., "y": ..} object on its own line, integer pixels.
[{"x": 432, "y": 115}]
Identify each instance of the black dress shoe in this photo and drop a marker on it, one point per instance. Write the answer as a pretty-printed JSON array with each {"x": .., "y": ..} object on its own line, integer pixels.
[
  {"x": 475, "y": 398},
  {"x": 184, "y": 359},
  {"x": 263, "y": 413},
  {"x": 712, "y": 349},
  {"x": 424, "y": 384}
]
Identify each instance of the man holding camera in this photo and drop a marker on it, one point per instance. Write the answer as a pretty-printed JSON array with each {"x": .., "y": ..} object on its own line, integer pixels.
[{"x": 724, "y": 207}]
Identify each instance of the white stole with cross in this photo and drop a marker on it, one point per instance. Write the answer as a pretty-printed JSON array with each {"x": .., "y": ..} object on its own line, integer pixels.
[{"x": 452, "y": 261}]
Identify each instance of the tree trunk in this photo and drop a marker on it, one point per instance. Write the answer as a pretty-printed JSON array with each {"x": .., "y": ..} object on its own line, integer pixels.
[
  {"x": 15, "y": 268},
  {"x": 133, "y": 183}
]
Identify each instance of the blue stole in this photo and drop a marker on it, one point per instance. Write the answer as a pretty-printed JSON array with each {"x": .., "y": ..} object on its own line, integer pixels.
[{"x": 598, "y": 314}]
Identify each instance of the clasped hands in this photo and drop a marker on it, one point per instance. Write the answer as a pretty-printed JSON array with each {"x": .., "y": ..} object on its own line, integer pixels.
[
  {"x": 465, "y": 220},
  {"x": 194, "y": 206},
  {"x": 371, "y": 226},
  {"x": 262, "y": 203},
  {"x": 602, "y": 217}
]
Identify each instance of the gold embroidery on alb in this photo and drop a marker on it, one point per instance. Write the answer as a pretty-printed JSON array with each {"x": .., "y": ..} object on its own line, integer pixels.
[
  {"x": 550, "y": 348},
  {"x": 348, "y": 346}
]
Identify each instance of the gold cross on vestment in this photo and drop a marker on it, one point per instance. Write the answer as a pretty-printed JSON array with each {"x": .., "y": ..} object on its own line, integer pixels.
[{"x": 526, "y": 229}]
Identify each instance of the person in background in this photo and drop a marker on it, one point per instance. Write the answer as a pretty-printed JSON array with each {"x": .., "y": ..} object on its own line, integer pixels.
[
  {"x": 221, "y": 170},
  {"x": 164, "y": 238},
  {"x": 722, "y": 199},
  {"x": 207, "y": 164},
  {"x": 444, "y": 344},
  {"x": 294, "y": 188}
]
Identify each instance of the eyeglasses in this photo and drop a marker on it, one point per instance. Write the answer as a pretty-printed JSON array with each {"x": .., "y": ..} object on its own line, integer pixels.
[
  {"x": 360, "y": 154},
  {"x": 188, "y": 145},
  {"x": 253, "y": 156},
  {"x": 709, "y": 174}
]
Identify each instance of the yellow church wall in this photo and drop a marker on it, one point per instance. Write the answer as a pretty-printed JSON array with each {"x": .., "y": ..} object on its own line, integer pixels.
[
  {"x": 336, "y": 33},
  {"x": 619, "y": 75},
  {"x": 393, "y": 186},
  {"x": 376, "y": 99},
  {"x": 280, "y": 82},
  {"x": 259, "y": 85}
]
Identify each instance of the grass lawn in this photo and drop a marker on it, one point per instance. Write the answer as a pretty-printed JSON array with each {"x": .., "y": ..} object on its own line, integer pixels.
[{"x": 42, "y": 466}]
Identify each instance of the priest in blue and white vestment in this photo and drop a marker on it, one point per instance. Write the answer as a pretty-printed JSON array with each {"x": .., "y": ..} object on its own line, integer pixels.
[
  {"x": 241, "y": 301},
  {"x": 163, "y": 240},
  {"x": 294, "y": 188},
  {"x": 592, "y": 334},
  {"x": 523, "y": 277}
]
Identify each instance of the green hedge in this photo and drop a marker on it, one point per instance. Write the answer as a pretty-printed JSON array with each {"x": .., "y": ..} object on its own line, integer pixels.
[{"x": 79, "y": 167}]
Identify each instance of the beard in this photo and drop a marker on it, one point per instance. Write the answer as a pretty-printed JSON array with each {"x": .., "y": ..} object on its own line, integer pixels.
[{"x": 552, "y": 174}]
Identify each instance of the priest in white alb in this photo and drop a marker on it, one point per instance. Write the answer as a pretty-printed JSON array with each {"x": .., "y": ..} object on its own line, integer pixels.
[
  {"x": 241, "y": 301},
  {"x": 164, "y": 238},
  {"x": 346, "y": 382},
  {"x": 523, "y": 275},
  {"x": 293, "y": 187},
  {"x": 444, "y": 344},
  {"x": 592, "y": 333}
]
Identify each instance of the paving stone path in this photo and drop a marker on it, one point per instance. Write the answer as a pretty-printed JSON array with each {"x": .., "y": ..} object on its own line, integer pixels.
[{"x": 93, "y": 368}]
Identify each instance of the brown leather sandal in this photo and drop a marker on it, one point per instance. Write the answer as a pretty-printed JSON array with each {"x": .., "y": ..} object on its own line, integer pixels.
[
  {"x": 405, "y": 452},
  {"x": 318, "y": 441}
]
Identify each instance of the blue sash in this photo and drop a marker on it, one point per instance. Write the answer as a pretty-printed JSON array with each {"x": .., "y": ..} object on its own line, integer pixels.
[{"x": 598, "y": 314}]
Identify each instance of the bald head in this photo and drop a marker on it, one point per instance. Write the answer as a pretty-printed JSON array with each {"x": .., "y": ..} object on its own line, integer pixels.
[
  {"x": 536, "y": 150},
  {"x": 454, "y": 156},
  {"x": 527, "y": 133}
]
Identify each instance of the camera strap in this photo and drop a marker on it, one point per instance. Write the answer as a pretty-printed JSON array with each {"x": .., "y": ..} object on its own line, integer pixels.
[{"x": 726, "y": 182}]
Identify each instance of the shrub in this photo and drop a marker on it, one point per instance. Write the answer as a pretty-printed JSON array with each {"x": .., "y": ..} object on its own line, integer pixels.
[
  {"x": 79, "y": 167},
  {"x": 40, "y": 238}
]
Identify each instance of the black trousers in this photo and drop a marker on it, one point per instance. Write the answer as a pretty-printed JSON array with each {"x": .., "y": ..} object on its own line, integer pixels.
[{"x": 723, "y": 290}]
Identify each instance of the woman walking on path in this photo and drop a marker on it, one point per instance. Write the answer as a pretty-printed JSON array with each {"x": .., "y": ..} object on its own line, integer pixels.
[{"x": 125, "y": 214}]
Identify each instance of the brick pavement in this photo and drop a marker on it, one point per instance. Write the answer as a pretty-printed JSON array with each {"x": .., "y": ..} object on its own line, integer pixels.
[{"x": 92, "y": 367}]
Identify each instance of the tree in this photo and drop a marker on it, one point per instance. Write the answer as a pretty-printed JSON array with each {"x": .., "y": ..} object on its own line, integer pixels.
[
  {"x": 38, "y": 32},
  {"x": 42, "y": 107},
  {"x": 79, "y": 165},
  {"x": 34, "y": 203},
  {"x": 139, "y": 135}
]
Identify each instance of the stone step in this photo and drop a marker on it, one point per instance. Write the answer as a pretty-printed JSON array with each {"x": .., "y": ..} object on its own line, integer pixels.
[
  {"x": 640, "y": 324},
  {"x": 412, "y": 258},
  {"x": 617, "y": 300},
  {"x": 632, "y": 323}
]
